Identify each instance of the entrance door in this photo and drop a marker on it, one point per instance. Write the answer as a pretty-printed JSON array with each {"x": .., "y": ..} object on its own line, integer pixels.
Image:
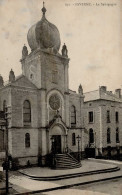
[{"x": 57, "y": 143}]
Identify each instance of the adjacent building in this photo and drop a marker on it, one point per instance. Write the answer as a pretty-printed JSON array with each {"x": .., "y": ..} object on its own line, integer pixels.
[{"x": 103, "y": 120}]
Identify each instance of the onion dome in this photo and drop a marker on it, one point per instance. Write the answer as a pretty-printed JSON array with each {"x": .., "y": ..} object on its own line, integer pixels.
[
  {"x": 1, "y": 81},
  {"x": 43, "y": 34},
  {"x": 11, "y": 76}
]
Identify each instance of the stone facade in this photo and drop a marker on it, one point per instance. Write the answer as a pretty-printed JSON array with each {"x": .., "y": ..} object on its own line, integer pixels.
[
  {"x": 100, "y": 104},
  {"x": 43, "y": 107}
]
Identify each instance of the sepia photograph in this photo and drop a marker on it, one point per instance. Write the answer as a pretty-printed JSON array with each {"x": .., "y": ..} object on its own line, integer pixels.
[{"x": 61, "y": 97}]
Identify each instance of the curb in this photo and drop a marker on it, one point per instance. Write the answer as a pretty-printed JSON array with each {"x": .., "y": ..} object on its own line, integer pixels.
[
  {"x": 69, "y": 186},
  {"x": 59, "y": 177}
]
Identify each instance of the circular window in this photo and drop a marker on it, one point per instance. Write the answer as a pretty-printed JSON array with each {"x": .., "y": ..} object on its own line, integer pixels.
[{"x": 54, "y": 102}]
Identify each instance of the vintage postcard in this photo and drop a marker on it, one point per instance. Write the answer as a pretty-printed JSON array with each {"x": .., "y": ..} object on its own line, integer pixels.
[{"x": 60, "y": 97}]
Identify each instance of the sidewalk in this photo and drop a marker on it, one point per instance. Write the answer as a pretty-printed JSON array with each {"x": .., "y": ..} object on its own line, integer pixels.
[
  {"x": 23, "y": 184},
  {"x": 47, "y": 174},
  {"x": 116, "y": 162}
]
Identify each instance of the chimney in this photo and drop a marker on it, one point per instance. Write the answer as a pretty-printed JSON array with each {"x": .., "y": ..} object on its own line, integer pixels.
[
  {"x": 118, "y": 93},
  {"x": 103, "y": 88}
]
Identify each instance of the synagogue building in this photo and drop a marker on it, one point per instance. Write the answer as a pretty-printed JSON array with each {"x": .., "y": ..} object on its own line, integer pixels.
[{"x": 46, "y": 113}]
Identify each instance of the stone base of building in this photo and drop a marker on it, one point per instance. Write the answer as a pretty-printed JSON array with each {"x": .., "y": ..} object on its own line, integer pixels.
[
  {"x": 23, "y": 162},
  {"x": 106, "y": 153},
  {"x": 112, "y": 152}
]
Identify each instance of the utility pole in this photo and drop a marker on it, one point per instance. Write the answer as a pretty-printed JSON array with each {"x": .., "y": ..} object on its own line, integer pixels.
[{"x": 7, "y": 117}]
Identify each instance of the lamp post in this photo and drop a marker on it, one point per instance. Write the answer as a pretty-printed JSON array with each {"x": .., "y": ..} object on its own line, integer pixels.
[{"x": 78, "y": 139}]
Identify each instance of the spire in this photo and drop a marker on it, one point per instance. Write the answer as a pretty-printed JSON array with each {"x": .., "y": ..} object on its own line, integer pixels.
[
  {"x": 11, "y": 76},
  {"x": 24, "y": 52},
  {"x": 43, "y": 9},
  {"x": 80, "y": 89},
  {"x": 64, "y": 51}
]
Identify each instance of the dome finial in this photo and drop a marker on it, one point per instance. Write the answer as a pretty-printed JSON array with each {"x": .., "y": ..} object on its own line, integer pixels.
[{"x": 44, "y": 9}]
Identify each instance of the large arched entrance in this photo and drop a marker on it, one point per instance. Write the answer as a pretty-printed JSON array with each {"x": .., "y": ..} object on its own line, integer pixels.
[{"x": 57, "y": 136}]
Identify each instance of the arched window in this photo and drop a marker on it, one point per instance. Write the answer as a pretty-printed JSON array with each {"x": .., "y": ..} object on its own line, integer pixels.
[
  {"x": 73, "y": 139},
  {"x": 117, "y": 135},
  {"x": 27, "y": 140},
  {"x": 108, "y": 136},
  {"x": 91, "y": 136},
  {"x": 26, "y": 112},
  {"x": 4, "y": 105},
  {"x": 73, "y": 115}
]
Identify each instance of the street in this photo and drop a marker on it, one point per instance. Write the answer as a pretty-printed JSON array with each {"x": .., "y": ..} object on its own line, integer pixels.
[{"x": 112, "y": 187}]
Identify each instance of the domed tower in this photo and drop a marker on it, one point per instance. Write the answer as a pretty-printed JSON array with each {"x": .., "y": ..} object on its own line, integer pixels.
[
  {"x": 45, "y": 66},
  {"x": 47, "y": 69},
  {"x": 44, "y": 35}
]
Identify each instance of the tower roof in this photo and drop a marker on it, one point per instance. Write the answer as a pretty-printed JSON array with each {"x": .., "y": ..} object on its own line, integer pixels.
[{"x": 43, "y": 34}]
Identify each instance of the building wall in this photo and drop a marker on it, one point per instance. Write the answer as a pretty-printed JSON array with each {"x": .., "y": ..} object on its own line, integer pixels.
[
  {"x": 100, "y": 124},
  {"x": 112, "y": 107},
  {"x": 19, "y": 95},
  {"x": 76, "y": 100},
  {"x": 18, "y": 148},
  {"x": 95, "y": 125},
  {"x": 53, "y": 63}
]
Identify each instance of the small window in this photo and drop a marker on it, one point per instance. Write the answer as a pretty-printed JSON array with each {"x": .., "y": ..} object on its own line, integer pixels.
[
  {"x": 26, "y": 112},
  {"x": 55, "y": 76},
  {"x": 91, "y": 136},
  {"x": 108, "y": 136},
  {"x": 73, "y": 139},
  {"x": 117, "y": 117},
  {"x": 108, "y": 116},
  {"x": 27, "y": 140},
  {"x": 90, "y": 117},
  {"x": 31, "y": 76},
  {"x": 73, "y": 115},
  {"x": 117, "y": 135}
]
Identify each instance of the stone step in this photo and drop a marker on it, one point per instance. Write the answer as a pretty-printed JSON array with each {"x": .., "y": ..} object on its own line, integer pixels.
[{"x": 66, "y": 161}]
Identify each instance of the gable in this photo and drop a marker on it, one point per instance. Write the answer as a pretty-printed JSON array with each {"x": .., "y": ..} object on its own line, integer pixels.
[{"x": 22, "y": 81}]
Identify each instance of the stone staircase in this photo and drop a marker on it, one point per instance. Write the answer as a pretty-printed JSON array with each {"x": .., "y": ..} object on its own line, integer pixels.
[{"x": 66, "y": 161}]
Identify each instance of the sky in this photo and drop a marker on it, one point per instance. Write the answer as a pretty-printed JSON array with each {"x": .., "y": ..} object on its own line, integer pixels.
[{"x": 92, "y": 35}]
